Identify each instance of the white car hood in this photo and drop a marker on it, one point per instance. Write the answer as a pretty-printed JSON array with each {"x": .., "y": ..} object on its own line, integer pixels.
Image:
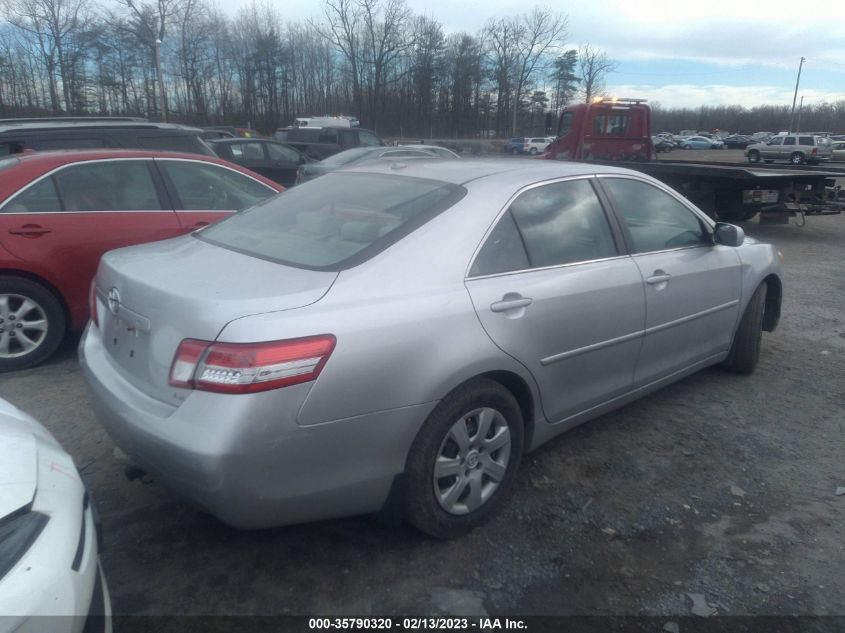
[{"x": 18, "y": 459}]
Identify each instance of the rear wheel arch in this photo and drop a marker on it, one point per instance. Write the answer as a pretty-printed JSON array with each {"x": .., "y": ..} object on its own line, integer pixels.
[{"x": 520, "y": 390}]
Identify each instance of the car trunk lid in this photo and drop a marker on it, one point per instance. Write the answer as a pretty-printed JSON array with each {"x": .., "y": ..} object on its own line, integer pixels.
[{"x": 151, "y": 297}]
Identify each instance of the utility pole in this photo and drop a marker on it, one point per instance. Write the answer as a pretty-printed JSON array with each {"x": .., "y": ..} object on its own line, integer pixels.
[
  {"x": 795, "y": 95},
  {"x": 800, "y": 107},
  {"x": 161, "y": 99}
]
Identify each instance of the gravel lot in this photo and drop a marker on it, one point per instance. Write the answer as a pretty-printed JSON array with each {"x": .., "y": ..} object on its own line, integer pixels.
[{"x": 715, "y": 495}]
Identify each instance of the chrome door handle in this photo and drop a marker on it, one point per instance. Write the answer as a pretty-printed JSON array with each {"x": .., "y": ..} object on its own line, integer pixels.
[
  {"x": 658, "y": 279},
  {"x": 508, "y": 303}
]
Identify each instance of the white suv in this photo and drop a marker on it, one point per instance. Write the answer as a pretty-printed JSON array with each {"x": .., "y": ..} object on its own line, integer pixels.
[{"x": 535, "y": 145}]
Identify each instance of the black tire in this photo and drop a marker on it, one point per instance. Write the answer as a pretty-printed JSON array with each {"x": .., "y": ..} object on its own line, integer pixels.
[
  {"x": 753, "y": 156},
  {"x": 422, "y": 507},
  {"x": 796, "y": 158},
  {"x": 686, "y": 146},
  {"x": 13, "y": 354},
  {"x": 533, "y": 151},
  {"x": 745, "y": 349}
]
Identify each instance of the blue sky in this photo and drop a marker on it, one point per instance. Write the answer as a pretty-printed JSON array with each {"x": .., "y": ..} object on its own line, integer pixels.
[{"x": 682, "y": 52}]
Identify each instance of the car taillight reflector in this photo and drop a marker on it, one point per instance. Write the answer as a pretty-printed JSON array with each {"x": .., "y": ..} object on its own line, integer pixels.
[
  {"x": 92, "y": 303},
  {"x": 249, "y": 367}
]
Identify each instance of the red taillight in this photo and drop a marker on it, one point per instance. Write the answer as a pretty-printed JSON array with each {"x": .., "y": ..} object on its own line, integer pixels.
[
  {"x": 92, "y": 303},
  {"x": 814, "y": 151},
  {"x": 249, "y": 367}
]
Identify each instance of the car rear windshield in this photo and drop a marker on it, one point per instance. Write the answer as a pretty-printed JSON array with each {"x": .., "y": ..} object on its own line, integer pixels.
[
  {"x": 342, "y": 158},
  {"x": 337, "y": 221}
]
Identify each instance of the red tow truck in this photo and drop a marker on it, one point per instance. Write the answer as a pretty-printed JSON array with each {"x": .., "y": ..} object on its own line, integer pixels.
[{"x": 612, "y": 131}]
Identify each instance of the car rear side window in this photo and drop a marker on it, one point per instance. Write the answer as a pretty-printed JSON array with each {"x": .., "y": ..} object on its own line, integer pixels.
[
  {"x": 247, "y": 151},
  {"x": 502, "y": 252},
  {"x": 656, "y": 220},
  {"x": 805, "y": 140},
  {"x": 122, "y": 185},
  {"x": 39, "y": 198},
  {"x": 336, "y": 221},
  {"x": 562, "y": 223}
]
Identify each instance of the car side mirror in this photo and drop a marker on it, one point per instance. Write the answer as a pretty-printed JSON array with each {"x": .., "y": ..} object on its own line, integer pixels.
[{"x": 728, "y": 234}]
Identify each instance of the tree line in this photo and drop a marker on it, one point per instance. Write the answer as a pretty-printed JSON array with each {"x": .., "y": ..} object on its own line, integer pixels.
[
  {"x": 398, "y": 72},
  {"x": 824, "y": 117}
]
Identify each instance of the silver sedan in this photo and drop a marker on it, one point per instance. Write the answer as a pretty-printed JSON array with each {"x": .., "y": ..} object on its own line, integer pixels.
[{"x": 397, "y": 336}]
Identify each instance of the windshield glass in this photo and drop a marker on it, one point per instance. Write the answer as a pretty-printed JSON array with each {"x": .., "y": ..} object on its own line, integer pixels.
[{"x": 335, "y": 222}]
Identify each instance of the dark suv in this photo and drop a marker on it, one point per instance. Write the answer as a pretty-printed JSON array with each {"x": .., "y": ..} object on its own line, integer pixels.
[
  {"x": 515, "y": 146},
  {"x": 16, "y": 135}
]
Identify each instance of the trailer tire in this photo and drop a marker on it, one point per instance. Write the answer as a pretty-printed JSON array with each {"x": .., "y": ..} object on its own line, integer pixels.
[
  {"x": 745, "y": 349},
  {"x": 753, "y": 156}
]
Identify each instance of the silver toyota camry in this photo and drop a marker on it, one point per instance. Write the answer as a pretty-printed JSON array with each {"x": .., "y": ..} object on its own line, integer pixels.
[{"x": 397, "y": 336}]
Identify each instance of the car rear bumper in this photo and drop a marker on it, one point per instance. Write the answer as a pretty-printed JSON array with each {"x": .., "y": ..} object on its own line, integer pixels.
[{"x": 244, "y": 458}]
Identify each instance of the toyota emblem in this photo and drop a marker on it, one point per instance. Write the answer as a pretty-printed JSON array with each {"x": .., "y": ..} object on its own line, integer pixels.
[{"x": 114, "y": 301}]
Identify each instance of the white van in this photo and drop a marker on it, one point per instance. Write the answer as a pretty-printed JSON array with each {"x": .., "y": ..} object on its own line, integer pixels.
[{"x": 326, "y": 121}]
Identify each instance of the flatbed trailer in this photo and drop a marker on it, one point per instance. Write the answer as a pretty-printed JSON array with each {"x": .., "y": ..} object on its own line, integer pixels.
[
  {"x": 619, "y": 131},
  {"x": 734, "y": 192}
]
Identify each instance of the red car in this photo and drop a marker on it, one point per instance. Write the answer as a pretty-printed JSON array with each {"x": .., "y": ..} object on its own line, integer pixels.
[{"x": 60, "y": 211}]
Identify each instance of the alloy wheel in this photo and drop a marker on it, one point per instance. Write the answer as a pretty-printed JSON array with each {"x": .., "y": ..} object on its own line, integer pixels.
[{"x": 23, "y": 325}]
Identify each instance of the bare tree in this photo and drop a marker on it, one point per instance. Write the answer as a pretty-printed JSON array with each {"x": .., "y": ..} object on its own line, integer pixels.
[
  {"x": 594, "y": 65},
  {"x": 52, "y": 26},
  {"x": 386, "y": 37},
  {"x": 537, "y": 35},
  {"x": 150, "y": 20},
  {"x": 342, "y": 28}
]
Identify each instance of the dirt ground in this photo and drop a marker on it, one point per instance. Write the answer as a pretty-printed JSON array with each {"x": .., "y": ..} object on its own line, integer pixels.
[{"x": 712, "y": 496}]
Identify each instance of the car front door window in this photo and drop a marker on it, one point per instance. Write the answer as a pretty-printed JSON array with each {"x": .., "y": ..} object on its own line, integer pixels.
[
  {"x": 281, "y": 153},
  {"x": 201, "y": 186},
  {"x": 655, "y": 220},
  {"x": 367, "y": 139}
]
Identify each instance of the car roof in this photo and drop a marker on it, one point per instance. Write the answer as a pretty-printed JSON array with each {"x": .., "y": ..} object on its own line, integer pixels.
[
  {"x": 33, "y": 164},
  {"x": 32, "y": 125},
  {"x": 464, "y": 171},
  {"x": 245, "y": 139}
]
